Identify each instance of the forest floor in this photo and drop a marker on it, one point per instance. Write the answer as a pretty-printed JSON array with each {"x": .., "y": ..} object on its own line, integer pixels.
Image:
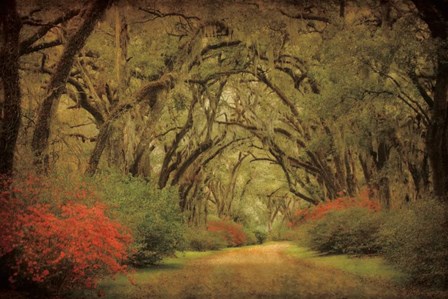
[{"x": 273, "y": 270}]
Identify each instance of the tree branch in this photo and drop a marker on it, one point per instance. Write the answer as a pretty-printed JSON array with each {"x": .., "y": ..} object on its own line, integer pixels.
[
  {"x": 25, "y": 44},
  {"x": 155, "y": 14},
  {"x": 421, "y": 90},
  {"x": 41, "y": 46},
  {"x": 306, "y": 16},
  {"x": 82, "y": 97}
]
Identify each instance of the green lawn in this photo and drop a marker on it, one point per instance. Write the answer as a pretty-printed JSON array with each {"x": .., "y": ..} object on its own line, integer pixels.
[
  {"x": 122, "y": 285},
  {"x": 371, "y": 267}
]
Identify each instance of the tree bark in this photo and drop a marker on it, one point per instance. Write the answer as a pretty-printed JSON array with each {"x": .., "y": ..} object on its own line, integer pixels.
[
  {"x": 101, "y": 141},
  {"x": 340, "y": 179},
  {"x": 121, "y": 49},
  {"x": 437, "y": 138},
  {"x": 352, "y": 185},
  {"x": 10, "y": 111},
  {"x": 150, "y": 93},
  {"x": 342, "y": 4},
  {"x": 168, "y": 166},
  {"x": 435, "y": 14},
  {"x": 203, "y": 147},
  {"x": 381, "y": 162},
  {"x": 57, "y": 83}
]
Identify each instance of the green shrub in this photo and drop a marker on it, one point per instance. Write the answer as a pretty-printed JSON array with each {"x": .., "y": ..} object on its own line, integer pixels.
[
  {"x": 415, "y": 240},
  {"x": 261, "y": 236},
  {"x": 302, "y": 234},
  {"x": 281, "y": 232},
  {"x": 350, "y": 231},
  {"x": 153, "y": 215},
  {"x": 251, "y": 238},
  {"x": 203, "y": 240}
]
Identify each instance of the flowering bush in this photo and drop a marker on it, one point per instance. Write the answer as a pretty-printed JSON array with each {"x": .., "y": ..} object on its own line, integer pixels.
[
  {"x": 60, "y": 244},
  {"x": 338, "y": 204},
  {"x": 343, "y": 225},
  {"x": 233, "y": 232}
]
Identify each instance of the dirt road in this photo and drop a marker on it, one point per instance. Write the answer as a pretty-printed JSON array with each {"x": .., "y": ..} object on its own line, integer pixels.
[{"x": 261, "y": 272}]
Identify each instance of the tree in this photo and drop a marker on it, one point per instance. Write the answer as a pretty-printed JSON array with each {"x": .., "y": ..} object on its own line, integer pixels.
[
  {"x": 291, "y": 72},
  {"x": 58, "y": 80},
  {"x": 11, "y": 50},
  {"x": 10, "y": 111},
  {"x": 435, "y": 15}
]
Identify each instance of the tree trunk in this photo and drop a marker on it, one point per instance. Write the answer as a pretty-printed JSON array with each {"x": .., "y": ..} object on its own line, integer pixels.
[
  {"x": 381, "y": 162},
  {"x": 435, "y": 14},
  {"x": 352, "y": 185},
  {"x": 57, "y": 83},
  {"x": 168, "y": 166},
  {"x": 10, "y": 109},
  {"x": 437, "y": 138},
  {"x": 103, "y": 137},
  {"x": 203, "y": 147},
  {"x": 340, "y": 179},
  {"x": 150, "y": 93},
  {"x": 342, "y": 4},
  {"x": 121, "y": 49}
]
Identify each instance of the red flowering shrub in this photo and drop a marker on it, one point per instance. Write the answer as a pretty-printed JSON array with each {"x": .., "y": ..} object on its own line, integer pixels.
[
  {"x": 233, "y": 232},
  {"x": 61, "y": 244},
  {"x": 338, "y": 204}
]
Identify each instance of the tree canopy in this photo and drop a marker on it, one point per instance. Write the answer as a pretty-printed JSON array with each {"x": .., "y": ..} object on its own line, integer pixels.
[{"x": 212, "y": 98}]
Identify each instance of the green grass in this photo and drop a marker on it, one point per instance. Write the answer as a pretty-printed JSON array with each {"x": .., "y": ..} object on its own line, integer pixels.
[
  {"x": 171, "y": 273},
  {"x": 168, "y": 264},
  {"x": 371, "y": 267},
  {"x": 126, "y": 285}
]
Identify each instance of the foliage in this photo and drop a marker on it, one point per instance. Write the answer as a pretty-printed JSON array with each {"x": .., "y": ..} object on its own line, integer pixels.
[
  {"x": 233, "y": 232},
  {"x": 341, "y": 203},
  {"x": 203, "y": 240},
  {"x": 282, "y": 232},
  {"x": 366, "y": 266},
  {"x": 349, "y": 231},
  {"x": 302, "y": 233},
  {"x": 320, "y": 106},
  {"x": 251, "y": 238},
  {"x": 414, "y": 239},
  {"x": 261, "y": 236},
  {"x": 58, "y": 245},
  {"x": 153, "y": 215},
  {"x": 410, "y": 237}
]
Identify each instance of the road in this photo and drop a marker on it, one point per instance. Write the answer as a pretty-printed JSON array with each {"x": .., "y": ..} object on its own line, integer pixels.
[{"x": 262, "y": 272}]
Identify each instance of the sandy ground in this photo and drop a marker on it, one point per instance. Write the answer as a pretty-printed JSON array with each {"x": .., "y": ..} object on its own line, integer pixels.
[{"x": 262, "y": 272}]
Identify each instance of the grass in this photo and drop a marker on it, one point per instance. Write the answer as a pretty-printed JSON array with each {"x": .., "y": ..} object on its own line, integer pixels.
[
  {"x": 168, "y": 264},
  {"x": 277, "y": 269},
  {"x": 370, "y": 267},
  {"x": 123, "y": 285}
]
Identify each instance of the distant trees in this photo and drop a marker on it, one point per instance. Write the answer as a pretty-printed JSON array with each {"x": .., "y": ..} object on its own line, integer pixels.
[
  {"x": 336, "y": 94},
  {"x": 12, "y": 48},
  {"x": 392, "y": 72},
  {"x": 58, "y": 80}
]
